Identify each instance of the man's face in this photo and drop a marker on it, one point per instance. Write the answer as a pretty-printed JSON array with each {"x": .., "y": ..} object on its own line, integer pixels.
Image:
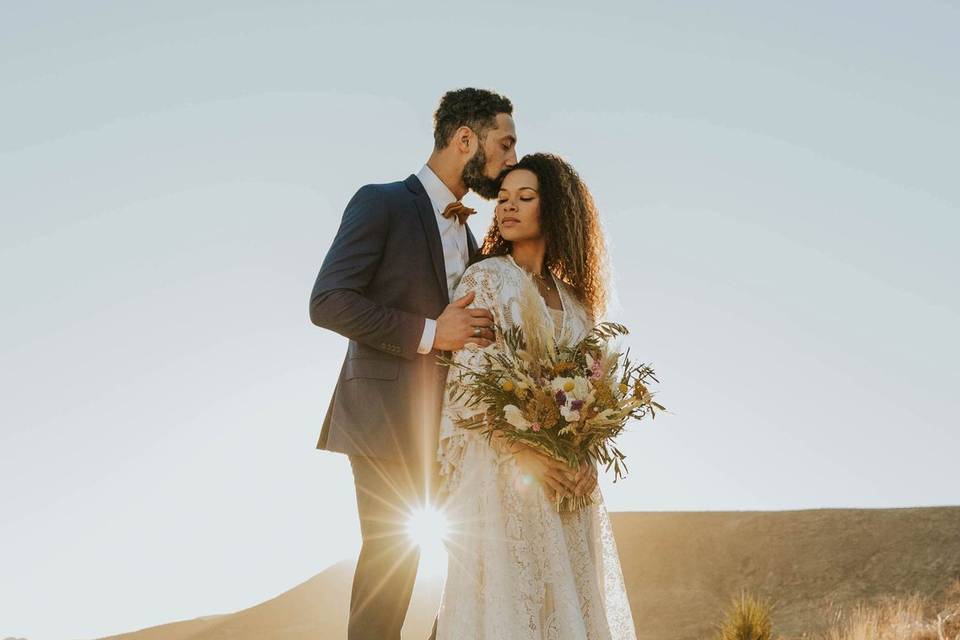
[{"x": 496, "y": 151}]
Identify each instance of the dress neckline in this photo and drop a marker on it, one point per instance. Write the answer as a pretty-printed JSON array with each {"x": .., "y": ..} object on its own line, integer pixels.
[{"x": 563, "y": 301}]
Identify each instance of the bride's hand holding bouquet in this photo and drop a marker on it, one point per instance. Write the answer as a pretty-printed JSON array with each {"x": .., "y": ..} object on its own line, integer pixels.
[{"x": 567, "y": 401}]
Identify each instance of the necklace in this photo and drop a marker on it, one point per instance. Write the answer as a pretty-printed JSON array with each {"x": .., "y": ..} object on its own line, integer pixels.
[{"x": 540, "y": 278}]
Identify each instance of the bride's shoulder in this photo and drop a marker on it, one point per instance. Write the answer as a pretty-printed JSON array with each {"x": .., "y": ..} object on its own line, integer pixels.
[
  {"x": 487, "y": 267},
  {"x": 484, "y": 276}
]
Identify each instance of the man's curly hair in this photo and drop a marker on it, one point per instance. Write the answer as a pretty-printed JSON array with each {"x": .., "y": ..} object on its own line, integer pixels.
[
  {"x": 474, "y": 108},
  {"x": 575, "y": 248}
]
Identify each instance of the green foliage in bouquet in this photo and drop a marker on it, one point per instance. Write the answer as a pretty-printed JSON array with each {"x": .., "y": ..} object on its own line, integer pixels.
[{"x": 570, "y": 400}]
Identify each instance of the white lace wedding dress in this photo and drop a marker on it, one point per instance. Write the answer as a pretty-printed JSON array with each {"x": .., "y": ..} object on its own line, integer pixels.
[{"x": 518, "y": 570}]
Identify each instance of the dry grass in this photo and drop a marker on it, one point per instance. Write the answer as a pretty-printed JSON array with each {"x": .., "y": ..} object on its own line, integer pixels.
[
  {"x": 911, "y": 618},
  {"x": 747, "y": 619},
  {"x": 891, "y": 618}
]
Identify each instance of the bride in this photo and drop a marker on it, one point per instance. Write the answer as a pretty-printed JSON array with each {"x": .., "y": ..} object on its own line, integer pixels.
[{"x": 518, "y": 570}]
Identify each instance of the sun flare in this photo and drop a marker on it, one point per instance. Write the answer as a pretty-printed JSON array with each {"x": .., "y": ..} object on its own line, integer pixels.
[{"x": 427, "y": 528}]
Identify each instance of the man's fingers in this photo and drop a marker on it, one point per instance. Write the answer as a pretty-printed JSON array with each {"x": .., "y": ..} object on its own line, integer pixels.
[
  {"x": 486, "y": 334},
  {"x": 465, "y": 300},
  {"x": 481, "y": 313},
  {"x": 480, "y": 342},
  {"x": 485, "y": 325}
]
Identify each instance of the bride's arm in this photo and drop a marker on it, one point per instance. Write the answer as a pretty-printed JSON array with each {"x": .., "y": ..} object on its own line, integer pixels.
[
  {"x": 555, "y": 475},
  {"x": 479, "y": 280}
]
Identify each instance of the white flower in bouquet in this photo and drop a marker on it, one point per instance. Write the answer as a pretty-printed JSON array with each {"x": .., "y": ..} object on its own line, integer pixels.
[
  {"x": 562, "y": 384},
  {"x": 573, "y": 396},
  {"x": 570, "y": 415},
  {"x": 514, "y": 417},
  {"x": 568, "y": 400},
  {"x": 582, "y": 391}
]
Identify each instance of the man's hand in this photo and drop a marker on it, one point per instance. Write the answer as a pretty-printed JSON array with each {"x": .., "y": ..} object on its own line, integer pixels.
[{"x": 457, "y": 325}]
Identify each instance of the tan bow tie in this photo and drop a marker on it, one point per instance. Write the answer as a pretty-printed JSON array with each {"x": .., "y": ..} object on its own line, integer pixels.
[{"x": 457, "y": 208}]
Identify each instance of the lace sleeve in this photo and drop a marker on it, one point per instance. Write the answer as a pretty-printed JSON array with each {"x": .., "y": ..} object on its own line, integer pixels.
[{"x": 483, "y": 281}]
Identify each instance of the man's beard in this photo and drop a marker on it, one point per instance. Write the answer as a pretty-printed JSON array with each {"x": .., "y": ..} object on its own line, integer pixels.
[{"x": 474, "y": 178}]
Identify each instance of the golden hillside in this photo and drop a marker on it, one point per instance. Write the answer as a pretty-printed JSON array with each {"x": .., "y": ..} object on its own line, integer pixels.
[{"x": 681, "y": 569}]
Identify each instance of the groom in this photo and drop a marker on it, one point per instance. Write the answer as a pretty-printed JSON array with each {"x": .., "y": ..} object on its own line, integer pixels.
[{"x": 385, "y": 284}]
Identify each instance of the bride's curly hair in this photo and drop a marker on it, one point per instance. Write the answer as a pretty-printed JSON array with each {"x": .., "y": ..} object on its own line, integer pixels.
[{"x": 575, "y": 248}]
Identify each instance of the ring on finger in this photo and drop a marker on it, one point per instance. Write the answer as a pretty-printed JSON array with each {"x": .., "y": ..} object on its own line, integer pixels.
[{"x": 476, "y": 332}]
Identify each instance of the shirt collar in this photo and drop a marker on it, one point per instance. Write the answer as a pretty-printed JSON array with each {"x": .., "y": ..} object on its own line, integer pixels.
[{"x": 440, "y": 195}]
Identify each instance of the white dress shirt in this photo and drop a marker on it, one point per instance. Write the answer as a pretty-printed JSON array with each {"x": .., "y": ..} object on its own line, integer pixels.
[{"x": 453, "y": 236}]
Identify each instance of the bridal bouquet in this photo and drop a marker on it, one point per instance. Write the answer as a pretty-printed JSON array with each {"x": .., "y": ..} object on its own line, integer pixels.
[{"x": 569, "y": 400}]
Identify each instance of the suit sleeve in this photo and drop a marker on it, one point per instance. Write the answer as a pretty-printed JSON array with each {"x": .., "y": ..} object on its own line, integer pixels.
[{"x": 338, "y": 301}]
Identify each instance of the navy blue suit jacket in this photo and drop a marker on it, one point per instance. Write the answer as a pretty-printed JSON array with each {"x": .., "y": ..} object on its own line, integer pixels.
[{"x": 384, "y": 273}]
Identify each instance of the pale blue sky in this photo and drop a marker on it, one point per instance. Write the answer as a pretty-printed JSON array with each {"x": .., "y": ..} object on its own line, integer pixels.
[{"x": 778, "y": 182}]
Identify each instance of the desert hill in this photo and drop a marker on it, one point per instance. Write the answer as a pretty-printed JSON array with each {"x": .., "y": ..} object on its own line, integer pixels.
[{"x": 681, "y": 570}]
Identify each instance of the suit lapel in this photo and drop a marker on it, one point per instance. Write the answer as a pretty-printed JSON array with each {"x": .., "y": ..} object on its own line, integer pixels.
[
  {"x": 471, "y": 243},
  {"x": 429, "y": 221}
]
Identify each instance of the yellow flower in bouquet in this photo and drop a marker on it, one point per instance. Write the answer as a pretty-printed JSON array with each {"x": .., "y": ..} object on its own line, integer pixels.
[{"x": 568, "y": 399}]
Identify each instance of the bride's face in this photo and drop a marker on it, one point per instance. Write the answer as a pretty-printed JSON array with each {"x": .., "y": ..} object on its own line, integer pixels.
[{"x": 518, "y": 206}]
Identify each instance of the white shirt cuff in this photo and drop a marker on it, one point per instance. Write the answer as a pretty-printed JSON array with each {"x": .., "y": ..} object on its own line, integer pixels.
[{"x": 429, "y": 332}]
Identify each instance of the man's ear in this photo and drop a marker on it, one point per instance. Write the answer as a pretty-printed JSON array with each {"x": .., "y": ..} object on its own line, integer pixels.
[{"x": 464, "y": 138}]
